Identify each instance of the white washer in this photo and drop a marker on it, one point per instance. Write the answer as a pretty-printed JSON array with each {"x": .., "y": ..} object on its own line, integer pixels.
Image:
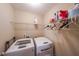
[
  {"x": 43, "y": 46},
  {"x": 21, "y": 47}
]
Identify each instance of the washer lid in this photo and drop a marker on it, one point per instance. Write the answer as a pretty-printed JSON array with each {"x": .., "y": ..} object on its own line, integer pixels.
[
  {"x": 42, "y": 41},
  {"x": 15, "y": 47}
]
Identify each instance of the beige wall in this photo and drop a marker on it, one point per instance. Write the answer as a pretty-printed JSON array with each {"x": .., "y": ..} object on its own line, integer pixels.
[
  {"x": 66, "y": 41},
  {"x": 6, "y": 29},
  {"x": 50, "y": 14},
  {"x": 24, "y": 24}
]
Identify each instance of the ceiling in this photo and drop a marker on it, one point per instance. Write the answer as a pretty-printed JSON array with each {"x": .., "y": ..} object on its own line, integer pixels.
[{"x": 40, "y": 9}]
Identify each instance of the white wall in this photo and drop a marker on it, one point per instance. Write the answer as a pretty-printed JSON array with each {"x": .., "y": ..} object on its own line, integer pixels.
[
  {"x": 25, "y": 24},
  {"x": 6, "y": 29}
]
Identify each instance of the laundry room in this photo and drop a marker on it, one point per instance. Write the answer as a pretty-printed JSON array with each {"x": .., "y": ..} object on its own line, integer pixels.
[{"x": 39, "y": 29}]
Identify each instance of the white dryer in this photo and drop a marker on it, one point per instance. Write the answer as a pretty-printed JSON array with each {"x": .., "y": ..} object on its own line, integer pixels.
[
  {"x": 43, "y": 46},
  {"x": 21, "y": 47}
]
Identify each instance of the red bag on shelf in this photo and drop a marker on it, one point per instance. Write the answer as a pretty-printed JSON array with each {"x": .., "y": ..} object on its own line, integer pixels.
[{"x": 63, "y": 14}]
